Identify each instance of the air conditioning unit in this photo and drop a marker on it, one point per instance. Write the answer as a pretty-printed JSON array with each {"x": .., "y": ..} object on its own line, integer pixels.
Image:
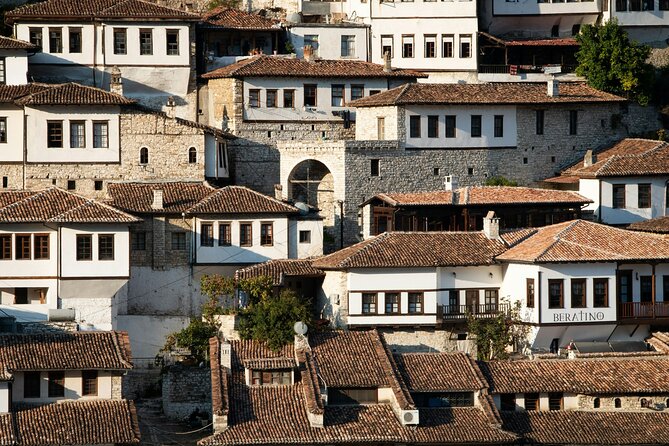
[{"x": 409, "y": 417}]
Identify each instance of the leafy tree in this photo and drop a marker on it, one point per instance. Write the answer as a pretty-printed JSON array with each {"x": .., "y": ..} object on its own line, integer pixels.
[
  {"x": 495, "y": 335},
  {"x": 194, "y": 337},
  {"x": 611, "y": 62},
  {"x": 213, "y": 4},
  {"x": 500, "y": 181}
]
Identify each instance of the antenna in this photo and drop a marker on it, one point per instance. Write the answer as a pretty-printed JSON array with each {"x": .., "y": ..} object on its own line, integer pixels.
[{"x": 300, "y": 328}]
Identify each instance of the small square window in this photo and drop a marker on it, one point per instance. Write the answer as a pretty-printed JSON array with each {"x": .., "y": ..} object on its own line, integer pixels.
[
  {"x": 97, "y": 185},
  {"x": 71, "y": 184},
  {"x": 138, "y": 241},
  {"x": 525, "y": 160},
  {"x": 470, "y": 171},
  {"x": 435, "y": 171},
  {"x": 84, "y": 247},
  {"x": 305, "y": 236},
  {"x": 106, "y": 247},
  {"x": 375, "y": 167},
  {"x": 179, "y": 241}
]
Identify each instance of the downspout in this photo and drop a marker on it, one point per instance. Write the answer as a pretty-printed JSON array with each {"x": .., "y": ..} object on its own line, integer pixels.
[
  {"x": 60, "y": 266},
  {"x": 599, "y": 203},
  {"x": 25, "y": 147},
  {"x": 538, "y": 302},
  {"x": 95, "y": 51}
]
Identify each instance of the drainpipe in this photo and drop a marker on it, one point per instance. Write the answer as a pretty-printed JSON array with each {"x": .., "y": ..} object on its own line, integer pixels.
[{"x": 341, "y": 223}]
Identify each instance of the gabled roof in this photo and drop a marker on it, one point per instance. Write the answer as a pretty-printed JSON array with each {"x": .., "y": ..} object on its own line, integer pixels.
[
  {"x": 415, "y": 249},
  {"x": 57, "y": 206},
  {"x": 7, "y": 43},
  {"x": 178, "y": 196},
  {"x": 73, "y": 94},
  {"x": 440, "y": 372},
  {"x": 89, "y": 10},
  {"x": 500, "y": 93},
  {"x": 279, "y": 268},
  {"x": 101, "y": 350},
  {"x": 281, "y": 66},
  {"x": 232, "y": 18},
  {"x": 240, "y": 200},
  {"x": 659, "y": 225},
  {"x": 583, "y": 241}
]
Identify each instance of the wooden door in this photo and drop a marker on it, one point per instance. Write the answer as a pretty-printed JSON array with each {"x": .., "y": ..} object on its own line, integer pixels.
[{"x": 472, "y": 298}]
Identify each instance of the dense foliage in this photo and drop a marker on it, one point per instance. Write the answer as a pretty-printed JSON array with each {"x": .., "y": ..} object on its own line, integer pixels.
[
  {"x": 194, "y": 337},
  {"x": 500, "y": 181},
  {"x": 494, "y": 336}
]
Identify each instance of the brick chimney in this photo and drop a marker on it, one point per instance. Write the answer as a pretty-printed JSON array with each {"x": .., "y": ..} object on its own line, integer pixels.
[
  {"x": 491, "y": 226},
  {"x": 588, "y": 158},
  {"x": 157, "y": 199},
  {"x": 171, "y": 108},
  {"x": 278, "y": 191},
  {"x": 116, "y": 82},
  {"x": 386, "y": 63},
  {"x": 450, "y": 183},
  {"x": 308, "y": 53},
  {"x": 553, "y": 87}
]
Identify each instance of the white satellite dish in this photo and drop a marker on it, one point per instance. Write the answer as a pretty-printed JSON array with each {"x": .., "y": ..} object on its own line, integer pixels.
[{"x": 300, "y": 328}]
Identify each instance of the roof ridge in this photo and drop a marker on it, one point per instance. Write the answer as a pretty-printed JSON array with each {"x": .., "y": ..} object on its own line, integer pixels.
[
  {"x": 90, "y": 202},
  {"x": 344, "y": 263},
  {"x": 403, "y": 91},
  {"x": 28, "y": 198},
  {"x": 556, "y": 239}
]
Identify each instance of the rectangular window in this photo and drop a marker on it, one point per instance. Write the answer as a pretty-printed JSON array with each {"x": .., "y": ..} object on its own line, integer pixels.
[
  {"x": 54, "y": 134},
  {"x": 476, "y": 126},
  {"x": 138, "y": 241},
  {"x": 621, "y": 5},
  {"x": 392, "y": 303},
  {"x": 338, "y": 92},
  {"x": 664, "y": 5},
  {"x": 266, "y": 234},
  {"x": 56, "y": 384},
  {"x": 507, "y": 401},
  {"x": 415, "y": 303},
  {"x": 601, "y": 293},
  {"x": 433, "y": 126},
  {"x": 449, "y": 128},
  {"x": 407, "y": 46},
  {"x": 380, "y": 128},
  {"x": 288, "y": 98},
  {"x": 5, "y": 247},
  {"x": 646, "y": 288},
  {"x": 352, "y": 396},
  {"x": 312, "y": 41},
  {"x": 36, "y": 37},
  {"x": 207, "y": 234},
  {"x": 531, "y": 401},
  {"x": 414, "y": 126},
  {"x": 31, "y": 384},
  {"x": 573, "y": 122},
  {"x": 447, "y": 42},
  {"x": 41, "y": 246},
  {"x": 347, "y": 46},
  {"x": 77, "y": 134},
  {"x": 55, "y": 40},
  {"x": 368, "y": 303},
  {"x": 224, "y": 234},
  {"x": 387, "y": 45},
  {"x": 555, "y": 401},
  {"x": 555, "y": 293},
  {"x": 540, "y": 121},
  {"x": 84, "y": 247},
  {"x": 172, "y": 36},
  {"x": 430, "y": 46},
  {"x": 644, "y": 197},
  {"x": 491, "y": 297},
  {"x": 254, "y": 98},
  {"x": 3, "y": 129},
  {"x": 529, "y": 296},
  {"x": 465, "y": 45},
  {"x": 245, "y": 234},
  {"x": 618, "y": 196},
  {"x": 357, "y": 92},
  {"x": 270, "y": 98},
  {"x": 106, "y": 247},
  {"x": 89, "y": 382},
  {"x": 499, "y": 126},
  {"x": 22, "y": 246},
  {"x": 120, "y": 41},
  {"x": 305, "y": 236},
  {"x": 375, "y": 167},
  {"x": 310, "y": 92},
  {"x": 100, "y": 134},
  {"x": 178, "y": 241},
  {"x": 145, "y": 42},
  {"x": 75, "y": 40},
  {"x": 578, "y": 293}
]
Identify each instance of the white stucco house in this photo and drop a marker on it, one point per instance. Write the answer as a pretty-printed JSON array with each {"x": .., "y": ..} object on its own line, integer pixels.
[{"x": 14, "y": 60}]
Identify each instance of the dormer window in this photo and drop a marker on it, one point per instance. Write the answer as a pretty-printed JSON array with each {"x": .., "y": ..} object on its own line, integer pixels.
[
  {"x": 352, "y": 396},
  {"x": 271, "y": 377},
  {"x": 443, "y": 399}
]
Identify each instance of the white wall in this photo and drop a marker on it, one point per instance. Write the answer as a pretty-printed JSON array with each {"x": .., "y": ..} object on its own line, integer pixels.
[
  {"x": 215, "y": 157},
  {"x": 147, "y": 333},
  {"x": 118, "y": 267},
  {"x": 12, "y": 150},
  {"x": 329, "y": 39},
  {"x": 16, "y": 66},
  {"x": 632, "y": 213},
  {"x": 503, "y": 7},
  {"x": 38, "y": 152},
  {"x": 88, "y": 39},
  {"x": 32, "y": 268},
  {"x": 159, "y": 56},
  {"x": 73, "y": 387},
  {"x": 27, "y": 312},
  {"x": 5, "y": 396},
  {"x": 467, "y": 277},
  {"x": 303, "y": 250},
  {"x": 514, "y": 288}
]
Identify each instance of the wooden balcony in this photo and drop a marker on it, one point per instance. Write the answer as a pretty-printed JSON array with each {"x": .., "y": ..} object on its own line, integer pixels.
[
  {"x": 634, "y": 312},
  {"x": 459, "y": 313}
]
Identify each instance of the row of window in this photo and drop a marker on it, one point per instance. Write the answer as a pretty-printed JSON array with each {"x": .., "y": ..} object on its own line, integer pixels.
[
  {"x": 643, "y": 196},
  {"x": 392, "y": 303},
  {"x": 138, "y": 241},
  {"x": 36, "y": 246},
  {"x": 347, "y": 44},
  {"x": 245, "y": 234},
  {"x": 120, "y": 40},
  {"x": 54, "y": 134},
  {"x": 600, "y": 296},
  {"x": 508, "y": 401},
  {"x": 430, "y": 48},
  {"x": 338, "y": 96},
  {"x": 641, "y": 5},
  {"x": 271, "y": 377},
  {"x": 32, "y": 384},
  {"x": 450, "y": 126}
]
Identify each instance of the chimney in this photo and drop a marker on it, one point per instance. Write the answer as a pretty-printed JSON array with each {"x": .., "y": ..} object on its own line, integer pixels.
[
  {"x": 157, "y": 199},
  {"x": 116, "y": 82},
  {"x": 553, "y": 87},
  {"x": 308, "y": 53},
  {"x": 491, "y": 226},
  {"x": 226, "y": 356},
  {"x": 386, "y": 63},
  {"x": 171, "y": 108},
  {"x": 588, "y": 158},
  {"x": 278, "y": 191},
  {"x": 451, "y": 183}
]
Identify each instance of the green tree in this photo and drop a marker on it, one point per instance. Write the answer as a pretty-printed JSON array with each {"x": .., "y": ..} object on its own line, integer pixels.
[
  {"x": 213, "y": 4},
  {"x": 611, "y": 62},
  {"x": 495, "y": 335},
  {"x": 195, "y": 337},
  {"x": 500, "y": 181}
]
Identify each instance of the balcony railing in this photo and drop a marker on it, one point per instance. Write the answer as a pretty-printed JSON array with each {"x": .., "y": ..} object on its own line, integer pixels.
[
  {"x": 460, "y": 312},
  {"x": 643, "y": 310},
  {"x": 520, "y": 69}
]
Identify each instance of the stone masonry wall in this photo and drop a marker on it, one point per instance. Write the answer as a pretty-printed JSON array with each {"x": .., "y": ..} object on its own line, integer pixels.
[
  {"x": 186, "y": 389},
  {"x": 627, "y": 402}
]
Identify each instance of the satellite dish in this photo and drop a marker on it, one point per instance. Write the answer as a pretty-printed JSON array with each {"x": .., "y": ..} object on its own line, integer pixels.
[
  {"x": 303, "y": 207},
  {"x": 300, "y": 328}
]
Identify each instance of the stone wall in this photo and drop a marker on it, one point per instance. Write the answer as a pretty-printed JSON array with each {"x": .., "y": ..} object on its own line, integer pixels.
[
  {"x": 406, "y": 341},
  {"x": 627, "y": 402},
  {"x": 117, "y": 386},
  {"x": 186, "y": 389},
  {"x": 141, "y": 382}
]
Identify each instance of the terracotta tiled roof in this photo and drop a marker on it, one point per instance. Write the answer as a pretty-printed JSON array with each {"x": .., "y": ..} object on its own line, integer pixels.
[
  {"x": 231, "y": 18},
  {"x": 247, "y": 350},
  {"x": 492, "y": 93},
  {"x": 565, "y": 41},
  {"x": 658, "y": 225},
  {"x": 7, "y": 43},
  {"x": 103, "y": 350},
  {"x": 408, "y": 249},
  {"x": 219, "y": 379},
  {"x": 433, "y": 372},
  {"x": 240, "y": 200},
  {"x": 277, "y": 269},
  {"x": 479, "y": 195},
  {"x": 89, "y": 10},
  {"x": 10, "y": 93},
  {"x": 583, "y": 241},
  {"x": 178, "y": 196},
  {"x": 279, "y": 66},
  {"x": 96, "y": 422},
  {"x": 58, "y": 206},
  {"x": 7, "y": 430},
  {"x": 270, "y": 364},
  {"x": 515, "y": 236},
  {"x": 73, "y": 94},
  {"x": 568, "y": 427},
  {"x": 660, "y": 341},
  {"x": 580, "y": 376}
]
